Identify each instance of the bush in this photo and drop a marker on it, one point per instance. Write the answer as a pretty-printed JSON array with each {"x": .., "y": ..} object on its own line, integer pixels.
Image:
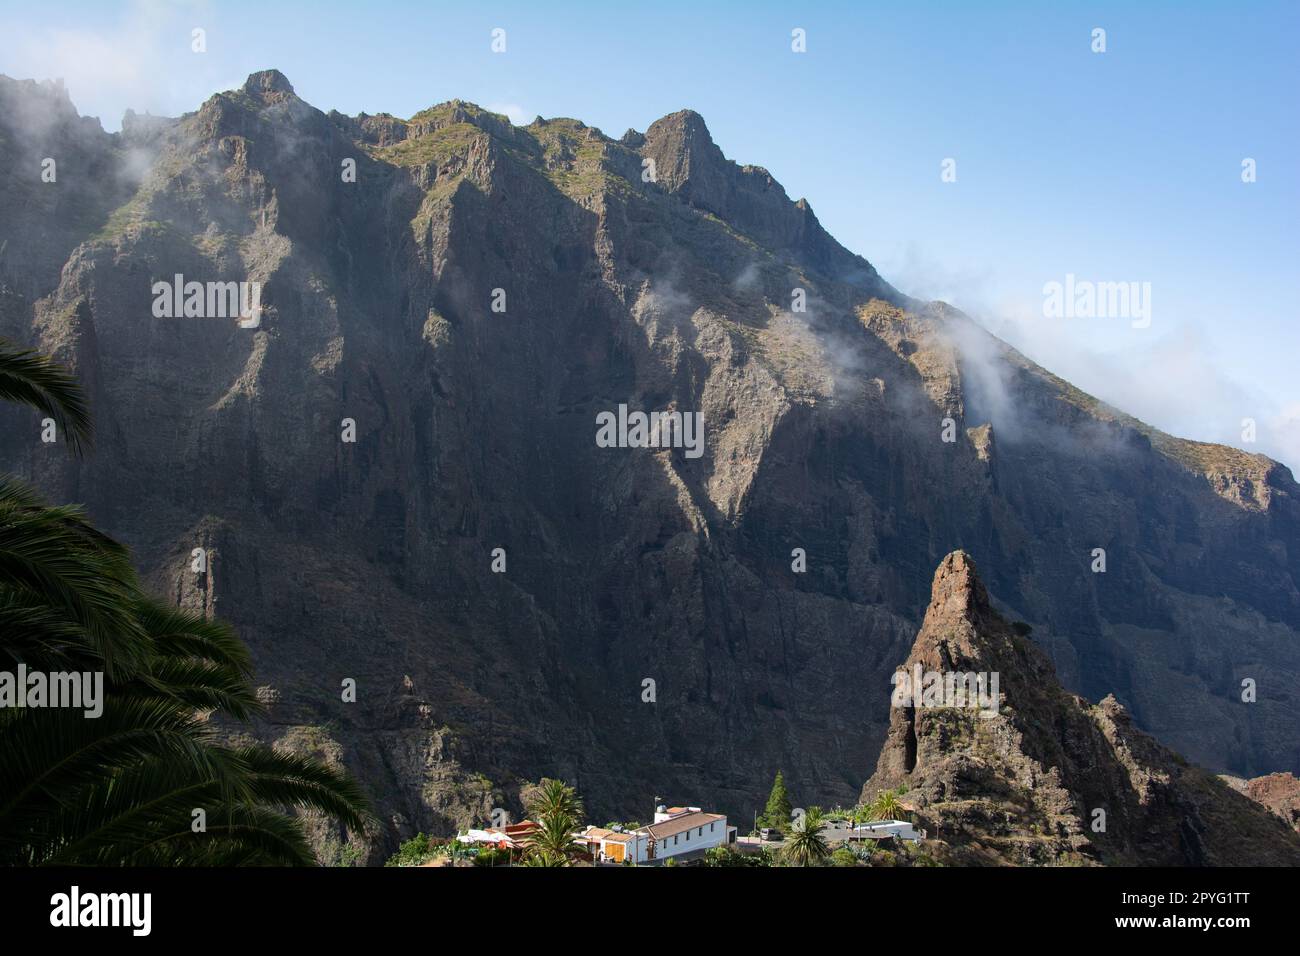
[
  {"x": 861, "y": 852},
  {"x": 492, "y": 856},
  {"x": 413, "y": 852},
  {"x": 730, "y": 856}
]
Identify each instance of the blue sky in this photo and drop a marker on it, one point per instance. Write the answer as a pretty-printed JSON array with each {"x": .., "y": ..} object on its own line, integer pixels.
[{"x": 1115, "y": 166}]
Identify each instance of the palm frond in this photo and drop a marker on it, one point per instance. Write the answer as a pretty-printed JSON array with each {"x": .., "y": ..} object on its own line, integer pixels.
[
  {"x": 32, "y": 379},
  {"x": 53, "y": 554},
  {"x": 48, "y": 755},
  {"x": 181, "y": 633},
  {"x": 292, "y": 780}
]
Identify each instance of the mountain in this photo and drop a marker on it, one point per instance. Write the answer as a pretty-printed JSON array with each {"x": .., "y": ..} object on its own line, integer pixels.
[
  {"x": 1037, "y": 776},
  {"x": 468, "y": 304}
]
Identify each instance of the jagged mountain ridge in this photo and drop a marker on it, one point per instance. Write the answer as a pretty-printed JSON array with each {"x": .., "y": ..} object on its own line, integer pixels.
[
  {"x": 476, "y": 431},
  {"x": 1044, "y": 777}
]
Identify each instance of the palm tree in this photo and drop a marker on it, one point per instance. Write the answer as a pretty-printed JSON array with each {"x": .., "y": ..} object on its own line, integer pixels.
[
  {"x": 551, "y": 844},
  {"x": 554, "y": 796},
  {"x": 147, "y": 781},
  {"x": 558, "y": 812},
  {"x": 886, "y": 806},
  {"x": 542, "y": 858},
  {"x": 806, "y": 845}
]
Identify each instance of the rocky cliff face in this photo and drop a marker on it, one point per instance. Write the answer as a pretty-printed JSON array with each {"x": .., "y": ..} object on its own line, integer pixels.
[
  {"x": 470, "y": 300},
  {"x": 1279, "y": 792},
  {"x": 1032, "y": 775}
]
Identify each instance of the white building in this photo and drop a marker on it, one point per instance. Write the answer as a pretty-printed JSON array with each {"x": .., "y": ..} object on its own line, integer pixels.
[
  {"x": 882, "y": 829},
  {"x": 615, "y": 846},
  {"x": 676, "y": 831}
]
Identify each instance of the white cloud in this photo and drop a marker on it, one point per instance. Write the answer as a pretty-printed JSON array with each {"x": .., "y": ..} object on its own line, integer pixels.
[
  {"x": 142, "y": 60},
  {"x": 1175, "y": 379}
]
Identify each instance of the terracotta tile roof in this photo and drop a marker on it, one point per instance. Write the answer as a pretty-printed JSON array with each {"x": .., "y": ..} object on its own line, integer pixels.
[
  {"x": 680, "y": 824},
  {"x": 603, "y": 833}
]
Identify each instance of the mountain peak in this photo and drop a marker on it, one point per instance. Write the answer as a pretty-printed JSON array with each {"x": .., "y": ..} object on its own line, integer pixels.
[
  {"x": 40, "y": 105},
  {"x": 960, "y": 627},
  {"x": 688, "y": 122},
  {"x": 1014, "y": 772},
  {"x": 687, "y": 160},
  {"x": 268, "y": 83},
  {"x": 957, "y": 579}
]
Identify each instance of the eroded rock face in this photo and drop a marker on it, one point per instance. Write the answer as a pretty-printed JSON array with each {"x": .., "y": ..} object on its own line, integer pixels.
[
  {"x": 1279, "y": 792},
  {"x": 1045, "y": 777},
  {"x": 824, "y": 393}
]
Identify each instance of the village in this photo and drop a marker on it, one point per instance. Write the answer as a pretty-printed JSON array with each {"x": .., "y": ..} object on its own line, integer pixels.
[{"x": 553, "y": 835}]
